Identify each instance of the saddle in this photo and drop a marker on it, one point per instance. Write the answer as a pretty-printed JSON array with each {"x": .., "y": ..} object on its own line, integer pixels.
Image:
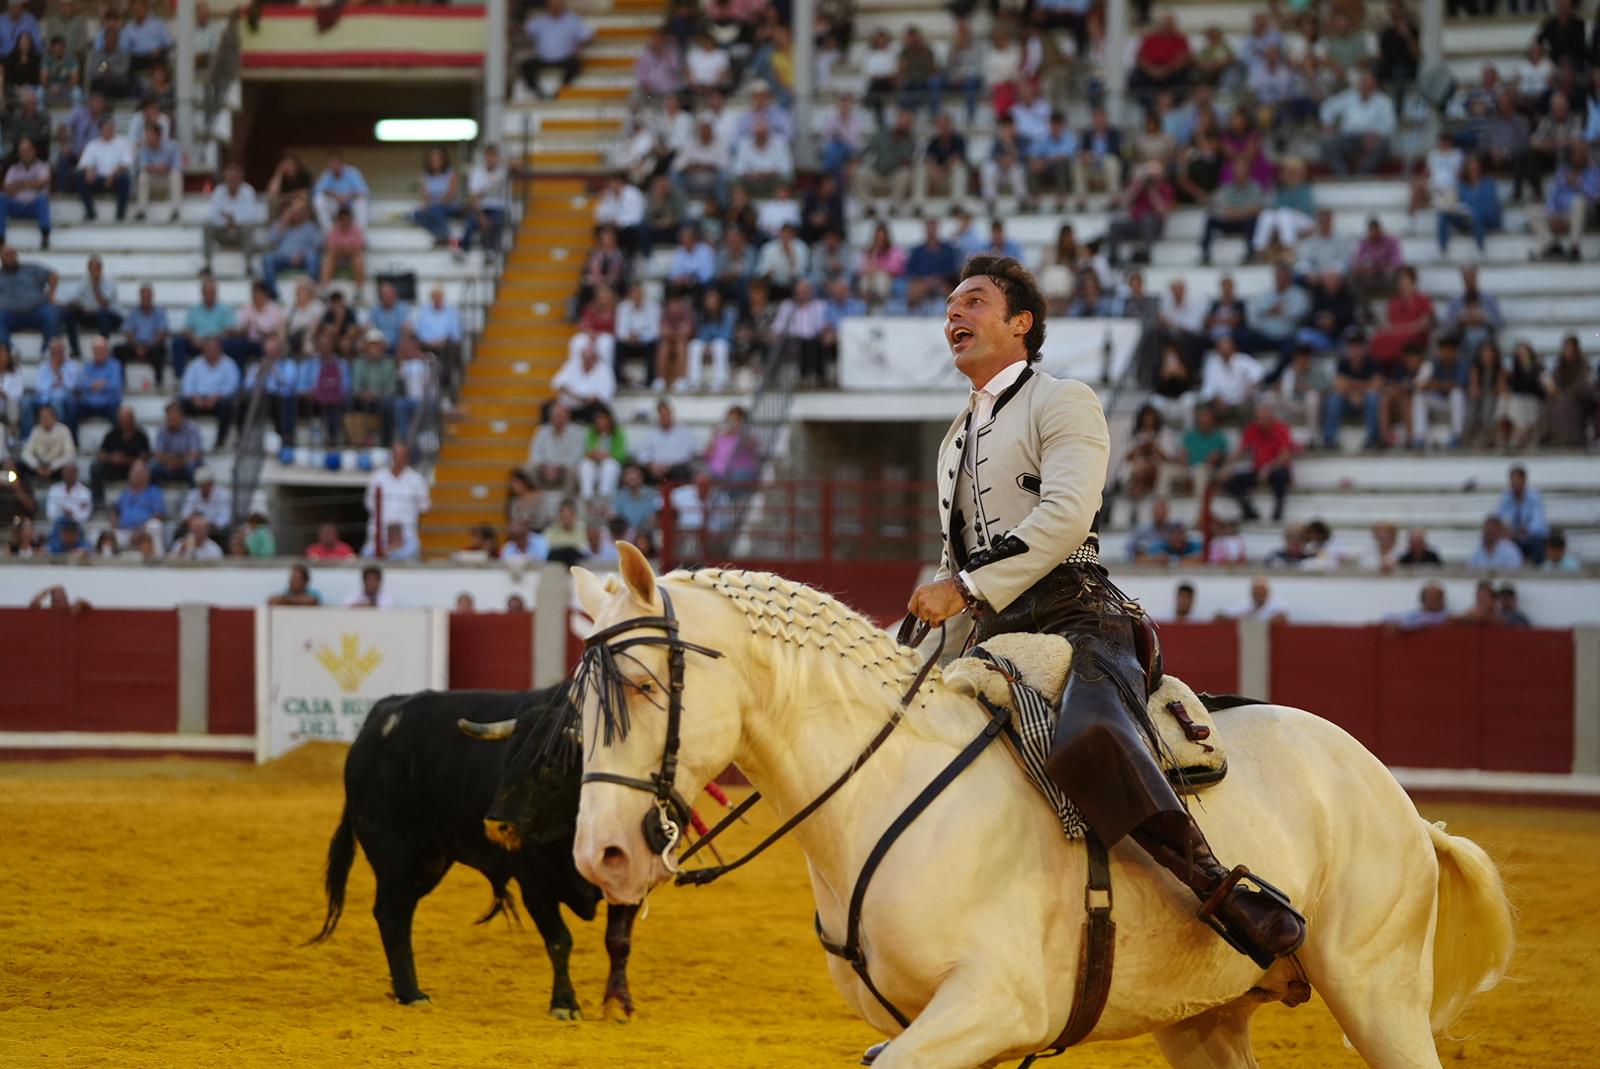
[{"x": 1189, "y": 749}]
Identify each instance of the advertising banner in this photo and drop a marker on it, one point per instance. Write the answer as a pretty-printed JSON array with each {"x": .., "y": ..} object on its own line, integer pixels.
[
  {"x": 320, "y": 670},
  {"x": 909, "y": 352}
]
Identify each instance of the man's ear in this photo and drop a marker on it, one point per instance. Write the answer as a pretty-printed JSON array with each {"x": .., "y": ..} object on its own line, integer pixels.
[{"x": 1021, "y": 323}]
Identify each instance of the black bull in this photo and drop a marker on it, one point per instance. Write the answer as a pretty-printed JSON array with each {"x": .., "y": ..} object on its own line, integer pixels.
[{"x": 417, "y": 789}]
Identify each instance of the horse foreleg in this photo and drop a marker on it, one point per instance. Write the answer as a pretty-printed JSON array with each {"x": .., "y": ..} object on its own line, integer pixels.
[
  {"x": 619, "y": 943},
  {"x": 971, "y": 1020},
  {"x": 1216, "y": 1039}
]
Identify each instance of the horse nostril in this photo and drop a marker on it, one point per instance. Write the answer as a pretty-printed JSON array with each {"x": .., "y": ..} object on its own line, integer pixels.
[{"x": 613, "y": 857}]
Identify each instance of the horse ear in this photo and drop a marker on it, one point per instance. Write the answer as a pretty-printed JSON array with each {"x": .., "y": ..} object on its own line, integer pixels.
[
  {"x": 636, "y": 572},
  {"x": 590, "y": 589}
]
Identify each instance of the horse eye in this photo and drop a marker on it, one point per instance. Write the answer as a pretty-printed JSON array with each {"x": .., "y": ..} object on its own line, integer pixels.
[{"x": 645, "y": 688}]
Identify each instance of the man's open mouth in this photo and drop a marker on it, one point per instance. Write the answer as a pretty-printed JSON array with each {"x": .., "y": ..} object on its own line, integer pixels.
[{"x": 959, "y": 335}]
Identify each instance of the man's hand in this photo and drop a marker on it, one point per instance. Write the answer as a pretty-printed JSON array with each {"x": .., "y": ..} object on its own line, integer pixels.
[{"x": 934, "y": 603}]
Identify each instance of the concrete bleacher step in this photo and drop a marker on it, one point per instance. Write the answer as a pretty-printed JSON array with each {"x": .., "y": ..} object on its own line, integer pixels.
[
  {"x": 1455, "y": 546},
  {"x": 1407, "y": 472}
]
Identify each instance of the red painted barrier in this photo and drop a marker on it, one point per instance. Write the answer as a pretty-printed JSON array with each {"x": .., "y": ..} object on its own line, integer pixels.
[
  {"x": 491, "y": 651},
  {"x": 1205, "y": 656},
  {"x": 231, "y": 683},
  {"x": 90, "y": 670},
  {"x": 1330, "y": 671},
  {"x": 1527, "y": 700}
]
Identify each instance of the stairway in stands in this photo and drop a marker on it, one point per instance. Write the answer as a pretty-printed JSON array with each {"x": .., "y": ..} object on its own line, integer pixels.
[{"x": 523, "y": 344}]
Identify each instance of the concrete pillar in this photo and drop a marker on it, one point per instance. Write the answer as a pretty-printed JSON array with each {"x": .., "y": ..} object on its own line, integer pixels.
[
  {"x": 497, "y": 38},
  {"x": 550, "y": 625},
  {"x": 183, "y": 76},
  {"x": 1432, "y": 32},
  {"x": 1586, "y": 700},
  {"x": 194, "y": 668},
  {"x": 802, "y": 18},
  {"x": 1116, "y": 79},
  {"x": 1255, "y": 659}
]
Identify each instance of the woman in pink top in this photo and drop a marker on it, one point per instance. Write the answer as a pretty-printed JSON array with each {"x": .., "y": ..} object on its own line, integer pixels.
[
  {"x": 346, "y": 246},
  {"x": 882, "y": 266},
  {"x": 260, "y": 318}
]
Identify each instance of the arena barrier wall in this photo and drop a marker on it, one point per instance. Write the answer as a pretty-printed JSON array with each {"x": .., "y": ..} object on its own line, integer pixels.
[{"x": 1509, "y": 704}]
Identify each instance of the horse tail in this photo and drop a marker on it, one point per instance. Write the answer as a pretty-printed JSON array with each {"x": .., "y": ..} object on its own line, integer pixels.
[
  {"x": 1473, "y": 934},
  {"x": 341, "y": 855}
]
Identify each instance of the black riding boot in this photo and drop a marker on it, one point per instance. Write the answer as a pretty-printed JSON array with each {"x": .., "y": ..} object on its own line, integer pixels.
[{"x": 1257, "y": 922}]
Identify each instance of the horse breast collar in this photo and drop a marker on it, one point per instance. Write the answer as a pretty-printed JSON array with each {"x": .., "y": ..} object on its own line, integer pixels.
[{"x": 663, "y": 825}]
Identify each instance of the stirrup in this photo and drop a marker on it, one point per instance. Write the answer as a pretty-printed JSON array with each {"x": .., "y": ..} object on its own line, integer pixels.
[{"x": 1230, "y": 883}]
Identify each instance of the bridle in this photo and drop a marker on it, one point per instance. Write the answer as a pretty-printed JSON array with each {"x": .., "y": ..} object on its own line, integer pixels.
[{"x": 664, "y": 823}]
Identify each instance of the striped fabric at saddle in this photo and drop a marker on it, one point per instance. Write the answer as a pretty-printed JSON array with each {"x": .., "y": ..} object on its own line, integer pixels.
[{"x": 1035, "y": 726}]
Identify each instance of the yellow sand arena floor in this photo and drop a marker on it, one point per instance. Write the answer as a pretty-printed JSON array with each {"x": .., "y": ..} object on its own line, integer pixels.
[{"x": 151, "y": 914}]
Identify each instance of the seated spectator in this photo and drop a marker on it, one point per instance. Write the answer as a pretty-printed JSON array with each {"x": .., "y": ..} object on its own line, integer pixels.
[
  {"x": 210, "y": 385},
  {"x": 398, "y": 545},
  {"x": 140, "y": 503},
  {"x": 1173, "y": 394},
  {"x": 762, "y": 162},
  {"x": 605, "y": 450},
  {"x": 1506, "y": 603},
  {"x": 340, "y": 186},
  {"x": 1266, "y": 450},
  {"x": 567, "y": 537},
  {"x": 1144, "y": 207},
  {"x": 672, "y": 350},
  {"x": 390, "y": 316},
  {"x": 1235, "y": 209},
  {"x": 1521, "y": 509},
  {"x": 232, "y": 217},
  {"x": 68, "y": 498},
  {"x": 329, "y": 546},
  {"x": 123, "y": 445},
  {"x": 488, "y": 201},
  {"x": 1227, "y": 545},
  {"x": 707, "y": 66},
  {"x": 299, "y": 591},
  {"x": 1147, "y": 459},
  {"x": 209, "y": 500},
  {"x": 882, "y": 269},
  {"x": 259, "y": 318},
  {"x": 372, "y": 595},
  {"x": 27, "y": 297},
  {"x": 1556, "y": 556},
  {"x": 636, "y": 502},
  {"x": 1050, "y": 159},
  {"x": 1007, "y": 163},
  {"x": 1474, "y": 317},
  {"x": 1290, "y": 217},
  {"x": 145, "y": 328},
  {"x": 1574, "y": 194},
  {"x": 621, "y": 208},
  {"x": 1146, "y": 539},
  {"x": 1408, "y": 320},
  {"x": 399, "y": 492},
  {"x": 1229, "y": 379},
  {"x": 1377, "y": 262},
  {"x": 27, "y": 192},
  {"x": 556, "y": 450},
  {"x": 1177, "y": 547},
  {"x": 524, "y": 546},
  {"x": 638, "y": 330},
  {"x": 1384, "y": 553},
  {"x": 919, "y": 75},
  {"x": 558, "y": 36},
  {"x": 437, "y": 325},
  {"x": 92, "y": 303},
  {"x": 799, "y": 326},
  {"x": 1323, "y": 250},
  {"x": 1275, "y": 317},
  {"x": 884, "y": 170},
  {"x": 194, "y": 543},
  {"x": 61, "y": 69},
  {"x": 1441, "y": 383},
  {"x": 158, "y": 161},
  {"x": 715, "y": 334},
  {"x": 1357, "y": 387},
  {"x": 1418, "y": 552},
  {"x": 1474, "y": 207},
  {"x": 1294, "y": 552},
  {"x": 1553, "y": 138},
  {"x": 373, "y": 379},
  {"x": 1099, "y": 158},
  {"x": 694, "y": 262},
  {"x": 324, "y": 384},
  {"x": 935, "y": 260},
  {"x": 668, "y": 449},
  {"x": 294, "y": 243},
  {"x": 106, "y": 166},
  {"x": 345, "y": 245},
  {"x": 783, "y": 260},
  {"x": 55, "y": 383},
  {"x": 1569, "y": 407},
  {"x": 1357, "y": 125},
  {"x": 1430, "y": 611},
  {"x": 109, "y": 68},
  {"x": 1162, "y": 61},
  {"x": 1520, "y": 394},
  {"x": 584, "y": 387},
  {"x": 439, "y": 193},
  {"x": 1334, "y": 309},
  {"x": 210, "y": 320},
  {"x": 100, "y": 384},
  {"x": 1496, "y": 548},
  {"x": 700, "y": 168}
]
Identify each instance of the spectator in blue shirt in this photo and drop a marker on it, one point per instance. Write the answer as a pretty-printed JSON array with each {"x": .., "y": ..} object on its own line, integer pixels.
[
  {"x": 1477, "y": 208},
  {"x": 210, "y": 385},
  {"x": 141, "y": 502},
  {"x": 390, "y": 314},
  {"x": 935, "y": 258},
  {"x": 145, "y": 327},
  {"x": 16, "y": 22},
  {"x": 281, "y": 389},
  {"x": 325, "y": 384},
  {"x": 999, "y": 243},
  {"x": 296, "y": 243},
  {"x": 1050, "y": 159},
  {"x": 438, "y": 327},
  {"x": 206, "y": 320},
  {"x": 27, "y": 297},
  {"x": 1521, "y": 509},
  {"x": 1495, "y": 550},
  {"x": 693, "y": 261},
  {"x": 144, "y": 36},
  {"x": 82, "y": 126},
  {"x": 100, "y": 383},
  {"x": 340, "y": 186},
  {"x": 1574, "y": 194},
  {"x": 55, "y": 383}
]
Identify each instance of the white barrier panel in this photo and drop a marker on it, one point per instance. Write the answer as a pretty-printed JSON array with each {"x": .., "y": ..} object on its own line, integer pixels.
[
  {"x": 910, "y": 353},
  {"x": 318, "y": 671}
]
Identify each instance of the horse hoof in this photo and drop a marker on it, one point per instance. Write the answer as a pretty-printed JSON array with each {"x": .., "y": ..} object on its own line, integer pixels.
[
  {"x": 617, "y": 1010},
  {"x": 419, "y": 999},
  {"x": 564, "y": 1013}
]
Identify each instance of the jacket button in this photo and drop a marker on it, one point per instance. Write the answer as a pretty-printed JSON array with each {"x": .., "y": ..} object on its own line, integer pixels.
[
  {"x": 951, "y": 474},
  {"x": 943, "y": 503}
]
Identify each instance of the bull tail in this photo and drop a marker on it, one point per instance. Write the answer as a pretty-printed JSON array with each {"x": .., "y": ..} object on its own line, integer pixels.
[
  {"x": 341, "y": 855},
  {"x": 503, "y": 904}
]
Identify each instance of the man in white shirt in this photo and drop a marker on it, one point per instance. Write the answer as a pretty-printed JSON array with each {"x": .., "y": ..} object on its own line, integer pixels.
[
  {"x": 1230, "y": 377},
  {"x": 622, "y": 205},
  {"x": 557, "y": 36},
  {"x": 488, "y": 196},
  {"x": 398, "y": 491},
  {"x": 638, "y": 331},
  {"x": 195, "y": 543},
  {"x": 668, "y": 448},
  {"x": 699, "y": 167},
  {"x": 106, "y": 166},
  {"x": 762, "y": 162},
  {"x": 800, "y": 322},
  {"x": 233, "y": 216},
  {"x": 1260, "y": 605},
  {"x": 1357, "y": 124},
  {"x": 707, "y": 65},
  {"x": 584, "y": 387},
  {"x": 68, "y": 497},
  {"x": 783, "y": 260},
  {"x": 208, "y": 499},
  {"x": 371, "y": 595}
]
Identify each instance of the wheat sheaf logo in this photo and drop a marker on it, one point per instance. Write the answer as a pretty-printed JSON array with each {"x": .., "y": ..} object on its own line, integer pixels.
[{"x": 350, "y": 666}]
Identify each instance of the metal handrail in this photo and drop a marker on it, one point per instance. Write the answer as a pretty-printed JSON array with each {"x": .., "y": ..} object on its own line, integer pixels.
[{"x": 250, "y": 450}]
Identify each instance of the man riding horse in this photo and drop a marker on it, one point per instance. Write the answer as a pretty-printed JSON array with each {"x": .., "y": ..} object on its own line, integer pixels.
[{"x": 1020, "y": 475}]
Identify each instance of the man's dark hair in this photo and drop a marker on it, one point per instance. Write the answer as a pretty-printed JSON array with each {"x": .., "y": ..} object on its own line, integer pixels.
[
  {"x": 1186, "y": 587},
  {"x": 371, "y": 569},
  {"x": 1021, "y": 290}
]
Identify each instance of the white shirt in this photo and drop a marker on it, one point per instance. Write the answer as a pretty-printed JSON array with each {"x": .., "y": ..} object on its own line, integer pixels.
[
  {"x": 243, "y": 206},
  {"x": 982, "y": 401},
  {"x": 105, "y": 157},
  {"x": 597, "y": 383},
  {"x": 774, "y": 213},
  {"x": 772, "y": 158},
  {"x": 1190, "y": 316},
  {"x": 206, "y": 550},
  {"x": 83, "y": 292},
  {"x": 136, "y": 128},
  {"x": 669, "y": 447},
  {"x": 1444, "y": 167},
  {"x": 639, "y": 322},
  {"x": 489, "y": 187},
  {"x": 1231, "y": 381},
  {"x": 1347, "y": 113},
  {"x": 359, "y": 600},
  {"x": 414, "y": 373},
  {"x": 405, "y": 497},
  {"x": 702, "y": 154},
  {"x": 1248, "y": 610},
  {"x": 687, "y": 512},
  {"x": 624, "y": 208},
  {"x": 707, "y": 66},
  {"x": 217, "y": 509},
  {"x": 74, "y": 502}
]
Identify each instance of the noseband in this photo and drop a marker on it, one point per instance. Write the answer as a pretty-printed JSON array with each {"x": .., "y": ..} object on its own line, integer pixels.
[{"x": 664, "y": 824}]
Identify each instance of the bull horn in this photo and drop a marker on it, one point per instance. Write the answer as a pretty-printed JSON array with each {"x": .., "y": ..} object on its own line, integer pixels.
[{"x": 495, "y": 732}]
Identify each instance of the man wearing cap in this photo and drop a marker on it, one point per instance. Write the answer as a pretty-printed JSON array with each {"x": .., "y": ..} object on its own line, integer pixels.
[
  {"x": 372, "y": 383},
  {"x": 208, "y": 499}
]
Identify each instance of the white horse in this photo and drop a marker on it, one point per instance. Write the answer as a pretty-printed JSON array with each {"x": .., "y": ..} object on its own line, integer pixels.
[{"x": 974, "y": 923}]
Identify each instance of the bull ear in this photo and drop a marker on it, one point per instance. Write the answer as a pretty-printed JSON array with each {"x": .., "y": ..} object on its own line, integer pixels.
[
  {"x": 636, "y": 572},
  {"x": 590, "y": 590}
]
